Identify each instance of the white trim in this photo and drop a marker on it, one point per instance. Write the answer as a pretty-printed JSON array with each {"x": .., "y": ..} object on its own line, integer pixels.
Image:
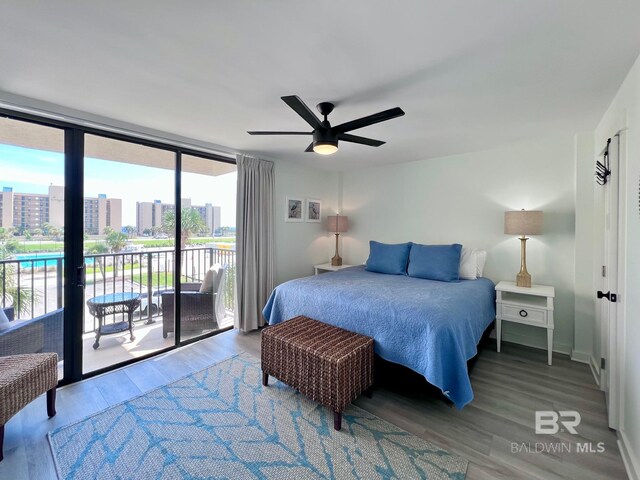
[
  {"x": 595, "y": 370},
  {"x": 525, "y": 340},
  {"x": 581, "y": 357},
  {"x": 631, "y": 462}
]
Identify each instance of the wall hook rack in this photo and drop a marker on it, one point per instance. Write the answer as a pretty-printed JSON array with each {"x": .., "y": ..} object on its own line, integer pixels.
[{"x": 603, "y": 169}]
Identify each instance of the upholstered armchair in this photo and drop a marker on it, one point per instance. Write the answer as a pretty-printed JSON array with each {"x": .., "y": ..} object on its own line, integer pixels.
[
  {"x": 35, "y": 335},
  {"x": 201, "y": 304}
]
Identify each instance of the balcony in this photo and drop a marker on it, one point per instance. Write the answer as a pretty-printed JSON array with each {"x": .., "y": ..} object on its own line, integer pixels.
[{"x": 36, "y": 284}]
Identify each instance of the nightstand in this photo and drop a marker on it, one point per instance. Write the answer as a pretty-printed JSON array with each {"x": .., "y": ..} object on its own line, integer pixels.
[
  {"x": 327, "y": 267},
  {"x": 527, "y": 305}
]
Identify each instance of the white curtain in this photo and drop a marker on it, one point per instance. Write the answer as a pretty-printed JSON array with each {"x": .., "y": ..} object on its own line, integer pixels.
[{"x": 255, "y": 241}]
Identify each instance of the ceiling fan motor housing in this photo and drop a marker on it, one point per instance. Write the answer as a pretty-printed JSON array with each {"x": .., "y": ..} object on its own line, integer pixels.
[{"x": 325, "y": 136}]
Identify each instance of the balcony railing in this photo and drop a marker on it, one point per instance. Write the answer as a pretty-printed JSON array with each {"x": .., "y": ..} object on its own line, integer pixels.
[{"x": 34, "y": 286}]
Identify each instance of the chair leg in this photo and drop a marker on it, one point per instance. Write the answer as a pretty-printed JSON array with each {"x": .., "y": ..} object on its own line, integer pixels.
[
  {"x": 337, "y": 420},
  {"x": 51, "y": 402},
  {"x": 265, "y": 379},
  {"x": 1, "y": 442}
]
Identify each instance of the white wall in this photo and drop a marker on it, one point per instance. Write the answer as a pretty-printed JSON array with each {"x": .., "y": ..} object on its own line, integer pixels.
[
  {"x": 625, "y": 112},
  {"x": 584, "y": 252},
  {"x": 462, "y": 198},
  {"x": 301, "y": 245}
]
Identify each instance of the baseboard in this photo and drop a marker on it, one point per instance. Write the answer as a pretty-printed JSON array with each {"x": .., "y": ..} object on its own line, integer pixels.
[
  {"x": 580, "y": 357},
  {"x": 526, "y": 340},
  {"x": 631, "y": 462},
  {"x": 595, "y": 370}
]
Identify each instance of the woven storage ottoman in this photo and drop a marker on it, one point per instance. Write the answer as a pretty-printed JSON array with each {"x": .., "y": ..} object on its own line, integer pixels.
[
  {"x": 330, "y": 365},
  {"x": 22, "y": 379}
]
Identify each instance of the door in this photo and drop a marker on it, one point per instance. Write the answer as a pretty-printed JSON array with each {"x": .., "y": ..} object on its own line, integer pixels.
[
  {"x": 129, "y": 255},
  {"x": 96, "y": 242},
  {"x": 32, "y": 239},
  {"x": 207, "y": 251},
  {"x": 608, "y": 285}
]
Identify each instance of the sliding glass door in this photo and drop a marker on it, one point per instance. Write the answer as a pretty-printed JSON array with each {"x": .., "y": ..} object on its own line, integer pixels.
[
  {"x": 129, "y": 241},
  {"x": 32, "y": 224},
  {"x": 112, "y": 248},
  {"x": 208, "y": 190}
]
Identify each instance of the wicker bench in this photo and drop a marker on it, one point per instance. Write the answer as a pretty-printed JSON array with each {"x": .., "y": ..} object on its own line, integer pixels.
[
  {"x": 330, "y": 365},
  {"x": 22, "y": 379}
]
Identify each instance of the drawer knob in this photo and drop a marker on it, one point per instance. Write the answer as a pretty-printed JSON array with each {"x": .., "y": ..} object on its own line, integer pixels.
[{"x": 523, "y": 313}]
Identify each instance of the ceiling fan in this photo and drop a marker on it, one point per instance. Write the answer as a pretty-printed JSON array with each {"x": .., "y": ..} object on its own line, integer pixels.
[{"x": 325, "y": 137}]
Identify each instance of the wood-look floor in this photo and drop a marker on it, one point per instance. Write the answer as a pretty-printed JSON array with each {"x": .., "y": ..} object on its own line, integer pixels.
[{"x": 508, "y": 388}]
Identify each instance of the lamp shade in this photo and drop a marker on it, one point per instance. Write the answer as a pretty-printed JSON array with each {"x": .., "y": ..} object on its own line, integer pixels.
[
  {"x": 523, "y": 222},
  {"x": 337, "y": 223}
]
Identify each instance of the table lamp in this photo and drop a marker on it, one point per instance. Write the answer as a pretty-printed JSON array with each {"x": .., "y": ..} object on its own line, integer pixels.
[
  {"x": 337, "y": 224},
  {"x": 523, "y": 222}
]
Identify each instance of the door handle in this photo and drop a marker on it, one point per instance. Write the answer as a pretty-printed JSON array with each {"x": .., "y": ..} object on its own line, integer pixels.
[
  {"x": 609, "y": 296},
  {"x": 81, "y": 277}
]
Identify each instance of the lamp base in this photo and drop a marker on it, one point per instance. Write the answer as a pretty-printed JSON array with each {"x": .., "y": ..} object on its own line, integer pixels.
[
  {"x": 523, "y": 279},
  {"x": 336, "y": 261}
]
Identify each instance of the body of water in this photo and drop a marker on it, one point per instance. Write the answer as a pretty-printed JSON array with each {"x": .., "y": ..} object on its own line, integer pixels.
[{"x": 40, "y": 260}]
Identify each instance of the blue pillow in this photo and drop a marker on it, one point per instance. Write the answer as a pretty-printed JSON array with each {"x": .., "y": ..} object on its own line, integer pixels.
[
  {"x": 435, "y": 262},
  {"x": 387, "y": 258}
]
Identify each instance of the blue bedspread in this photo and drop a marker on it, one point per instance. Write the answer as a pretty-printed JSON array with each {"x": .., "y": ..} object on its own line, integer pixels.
[{"x": 431, "y": 327}]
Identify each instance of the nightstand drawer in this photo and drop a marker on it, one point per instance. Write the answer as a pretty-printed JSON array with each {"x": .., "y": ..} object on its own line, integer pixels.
[{"x": 524, "y": 314}]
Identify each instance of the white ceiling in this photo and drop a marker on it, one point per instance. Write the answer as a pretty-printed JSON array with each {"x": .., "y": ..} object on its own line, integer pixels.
[{"x": 469, "y": 74}]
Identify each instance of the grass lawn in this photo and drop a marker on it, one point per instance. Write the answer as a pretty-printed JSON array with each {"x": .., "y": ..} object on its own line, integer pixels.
[
  {"x": 49, "y": 246},
  {"x": 109, "y": 268},
  {"x": 158, "y": 279},
  {"x": 156, "y": 243},
  {"x": 40, "y": 247}
]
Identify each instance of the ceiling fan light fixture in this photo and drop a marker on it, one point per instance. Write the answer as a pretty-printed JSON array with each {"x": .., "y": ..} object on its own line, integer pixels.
[
  {"x": 325, "y": 137},
  {"x": 325, "y": 148}
]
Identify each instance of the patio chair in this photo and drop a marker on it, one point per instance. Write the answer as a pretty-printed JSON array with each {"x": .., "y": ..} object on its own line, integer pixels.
[
  {"x": 35, "y": 335},
  {"x": 201, "y": 304}
]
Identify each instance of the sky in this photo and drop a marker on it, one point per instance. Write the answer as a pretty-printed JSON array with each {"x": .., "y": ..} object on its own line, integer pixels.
[{"x": 32, "y": 171}]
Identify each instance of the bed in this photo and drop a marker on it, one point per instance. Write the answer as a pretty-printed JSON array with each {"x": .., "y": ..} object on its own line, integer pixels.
[{"x": 428, "y": 326}]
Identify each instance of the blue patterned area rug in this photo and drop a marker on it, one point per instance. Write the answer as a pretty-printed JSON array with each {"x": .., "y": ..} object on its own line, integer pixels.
[{"x": 222, "y": 423}]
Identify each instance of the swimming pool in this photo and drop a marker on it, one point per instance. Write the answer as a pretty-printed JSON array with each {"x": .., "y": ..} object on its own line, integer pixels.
[{"x": 40, "y": 260}]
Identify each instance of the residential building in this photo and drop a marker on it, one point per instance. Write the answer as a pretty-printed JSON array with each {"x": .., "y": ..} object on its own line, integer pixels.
[
  {"x": 210, "y": 215},
  {"x": 31, "y": 210},
  {"x": 149, "y": 215}
]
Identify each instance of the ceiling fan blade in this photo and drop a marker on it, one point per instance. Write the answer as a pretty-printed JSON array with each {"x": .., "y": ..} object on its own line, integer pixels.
[
  {"x": 253, "y": 132},
  {"x": 309, "y": 148},
  {"x": 369, "y": 120},
  {"x": 301, "y": 109},
  {"x": 362, "y": 140}
]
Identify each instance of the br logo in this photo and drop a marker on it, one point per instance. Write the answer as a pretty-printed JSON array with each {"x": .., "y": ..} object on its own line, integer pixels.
[{"x": 548, "y": 422}]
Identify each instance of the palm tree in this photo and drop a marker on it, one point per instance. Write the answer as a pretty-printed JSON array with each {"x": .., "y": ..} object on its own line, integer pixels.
[
  {"x": 190, "y": 223},
  {"x": 99, "y": 248},
  {"x": 46, "y": 228},
  {"x": 5, "y": 233},
  {"x": 116, "y": 241},
  {"x": 130, "y": 230},
  {"x": 10, "y": 292}
]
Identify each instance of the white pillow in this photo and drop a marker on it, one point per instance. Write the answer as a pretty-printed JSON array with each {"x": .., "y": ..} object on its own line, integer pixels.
[
  {"x": 4, "y": 321},
  {"x": 209, "y": 279},
  {"x": 481, "y": 257},
  {"x": 468, "y": 264}
]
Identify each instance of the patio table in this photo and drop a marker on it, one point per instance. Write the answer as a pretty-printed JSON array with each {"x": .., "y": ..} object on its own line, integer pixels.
[{"x": 100, "y": 307}]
